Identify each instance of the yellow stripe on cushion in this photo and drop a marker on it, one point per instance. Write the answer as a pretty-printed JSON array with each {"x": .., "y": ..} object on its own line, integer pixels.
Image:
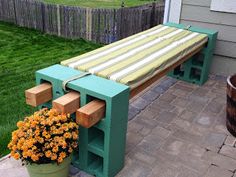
[
  {"x": 66, "y": 62},
  {"x": 118, "y": 53},
  {"x": 107, "y": 72},
  {"x": 163, "y": 60},
  {"x": 113, "y": 49}
]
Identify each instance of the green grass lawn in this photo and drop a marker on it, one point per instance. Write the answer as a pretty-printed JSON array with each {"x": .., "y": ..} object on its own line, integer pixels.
[
  {"x": 22, "y": 52},
  {"x": 100, "y": 3}
]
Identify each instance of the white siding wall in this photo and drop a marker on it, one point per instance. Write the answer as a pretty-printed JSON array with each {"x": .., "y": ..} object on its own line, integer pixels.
[{"x": 198, "y": 13}]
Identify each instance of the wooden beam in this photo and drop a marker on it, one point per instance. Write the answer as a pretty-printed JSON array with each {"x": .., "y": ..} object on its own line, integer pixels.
[
  {"x": 39, "y": 94},
  {"x": 68, "y": 103},
  {"x": 149, "y": 82},
  {"x": 91, "y": 113}
]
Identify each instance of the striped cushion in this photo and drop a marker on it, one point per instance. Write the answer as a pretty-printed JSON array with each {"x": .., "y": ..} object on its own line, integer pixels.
[{"x": 135, "y": 59}]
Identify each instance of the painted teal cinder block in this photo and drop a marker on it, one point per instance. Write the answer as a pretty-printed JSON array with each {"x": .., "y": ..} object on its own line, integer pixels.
[
  {"x": 102, "y": 147},
  {"x": 196, "y": 68}
]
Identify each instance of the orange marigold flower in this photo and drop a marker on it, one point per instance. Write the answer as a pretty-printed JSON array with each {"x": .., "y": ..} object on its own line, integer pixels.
[
  {"x": 65, "y": 127},
  {"x": 33, "y": 124},
  {"x": 52, "y": 128},
  {"x": 24, "y": 148},
  {"x": 67, "y": 135},
  {"x": 48, "y": 154},
  {"x": 30, "y": 143},
  {"x": 48, "y": 136},
  {"x": 12, "y": 153},
  {"x": 74, "y": 135},
  {"x": 59, "y": 160},
  {"x": 25, "y": 154},
  {"x": 10, "y": 145},
  {"x": 34, "y": 157},
  {"x": 44, "y": 133},
  {"x": 20, "y": 124},
  {"x": 34, "y": 148},
  {"x": 40, "y": 140},
  {"x": 14, "y": 148},
  {"x": 71, "y": 125},
  {"x": 19, "y": 145},
  {"x": 29, "y": 153},
  {"x": 49, "y": 122},
  {"x": 53, "y": 156},
  {"x": 51, "y": 144},
  {"x": 62, "y": 155},
  {"x": 74, "y": 144},
  {"x": 16, "y": 156},
  {"x": 64, "y": 145},
  {"x": 37, "y": 132},
  {"x": 27, "y": 125},
  {"x": 21, "y": 134},
  {"x": 47, "y": 145},
  {"x": 55, "y": 149},
  {"x": 70, "y": 150}
]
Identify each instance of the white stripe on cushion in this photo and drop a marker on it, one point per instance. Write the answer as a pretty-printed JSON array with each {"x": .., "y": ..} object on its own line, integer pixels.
[
  {"x": 147, "y": 60},
  {"x": 88, "y": 59},
  {"x": 132, "y": 52}
]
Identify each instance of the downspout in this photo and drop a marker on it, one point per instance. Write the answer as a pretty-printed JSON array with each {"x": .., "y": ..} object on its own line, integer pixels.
[{"x": 167, "y": 11}]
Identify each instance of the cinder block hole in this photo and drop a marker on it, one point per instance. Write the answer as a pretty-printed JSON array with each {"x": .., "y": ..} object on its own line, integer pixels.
[
  {"x": 58, "y": 93},
  {"x": 89, "y": 98},
  {"x": 206, "y": 44},
  {"x": 44, "y": 81},
  {"x": 75, "y": 157},
  {"x": 195, "y": 74},
  {"x": 95, "y": 163},
  {"x": 198, "y": 59},
  {"x": 96, "y": 138},
  {"x": 179, "y": 71}
]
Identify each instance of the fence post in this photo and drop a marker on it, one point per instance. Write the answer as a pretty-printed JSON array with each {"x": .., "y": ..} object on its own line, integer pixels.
[
  {"x": 43, "y": 16},
  {"x": 153, "y": 15},
  {"x": 14, "y": 10},
  {"x": 58, "y": 20},
  {"x": 88, "y": 23}
]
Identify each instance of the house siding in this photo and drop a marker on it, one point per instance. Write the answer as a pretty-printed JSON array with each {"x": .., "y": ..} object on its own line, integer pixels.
[{"x": 198, "y": 13}]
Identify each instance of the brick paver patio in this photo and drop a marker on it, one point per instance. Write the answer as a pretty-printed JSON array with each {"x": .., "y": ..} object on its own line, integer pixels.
[{"x": 175, "y": 129}]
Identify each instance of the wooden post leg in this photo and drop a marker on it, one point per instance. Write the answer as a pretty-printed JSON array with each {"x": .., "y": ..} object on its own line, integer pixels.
[
  {"x": 68, "y": 103},
  {"x": 91, "y": 113},
  {"x": 39, "y": 94}
]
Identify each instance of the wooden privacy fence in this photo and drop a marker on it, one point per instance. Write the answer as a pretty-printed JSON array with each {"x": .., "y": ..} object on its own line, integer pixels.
[{"x": 98, "y": 25}]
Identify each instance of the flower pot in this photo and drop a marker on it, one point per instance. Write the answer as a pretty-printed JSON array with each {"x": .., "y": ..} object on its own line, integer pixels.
[
  {"x": 231, "y": 105},
  {"x": 50, "y": 169}
]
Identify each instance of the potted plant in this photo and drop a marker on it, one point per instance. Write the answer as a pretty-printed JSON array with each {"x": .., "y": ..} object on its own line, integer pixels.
[{"x": 44, "y": 142}]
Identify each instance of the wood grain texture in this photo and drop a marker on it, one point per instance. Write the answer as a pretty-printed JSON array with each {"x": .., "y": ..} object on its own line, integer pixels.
[
  {"x": 68, "y": 103},
  {"x": 39, "y": 94},
  {"x": 91, "y": 113}
]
